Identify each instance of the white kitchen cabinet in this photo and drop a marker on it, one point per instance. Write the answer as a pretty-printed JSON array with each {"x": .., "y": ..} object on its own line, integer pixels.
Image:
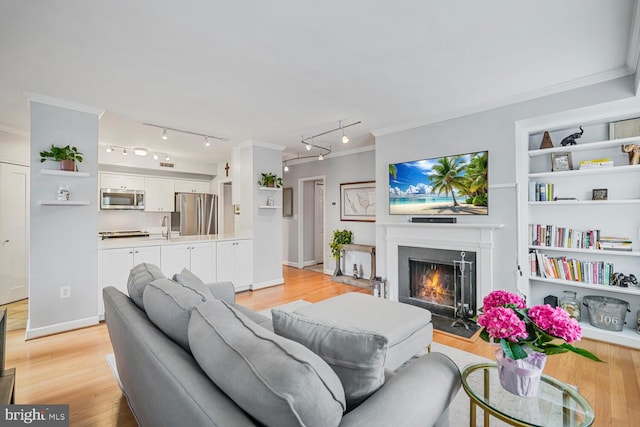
[
  {"x": 200, "y": 258},
  {"x": 187, "y": 186},
  {"x": 159, "y": 194},
  {"x": 235, "y": 263},
  {"x": 128, "y": 182},
  {"x": 117, "y": 263}
]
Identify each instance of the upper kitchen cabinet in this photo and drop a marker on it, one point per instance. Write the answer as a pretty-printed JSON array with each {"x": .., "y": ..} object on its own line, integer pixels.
[
  {"x": 128, "y": 182},
  {"x": 187, "y": 186},
  {"x": 159, "y": 194}
]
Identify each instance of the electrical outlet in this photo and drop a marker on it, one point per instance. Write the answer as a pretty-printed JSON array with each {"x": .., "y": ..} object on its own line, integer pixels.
[{"x": 65, "y": 291}]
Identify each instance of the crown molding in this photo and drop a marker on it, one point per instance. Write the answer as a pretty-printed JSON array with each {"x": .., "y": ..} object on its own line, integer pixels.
[
  {"x": 14, "y": 131},
  {"x": 521, "y": 97},
  {"x": 262, "y": 144},
  {"x": 62, "y": 103}
]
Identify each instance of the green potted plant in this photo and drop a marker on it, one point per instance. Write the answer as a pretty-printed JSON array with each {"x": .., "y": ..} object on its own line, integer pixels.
[
  {"x": 67, "y": 156},
  {"x": 270, "y": 180},
  {"x": 340, "y": 238}
]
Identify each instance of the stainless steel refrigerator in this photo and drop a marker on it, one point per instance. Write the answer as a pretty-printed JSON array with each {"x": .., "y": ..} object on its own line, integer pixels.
[{"x": 196, "y": 213}]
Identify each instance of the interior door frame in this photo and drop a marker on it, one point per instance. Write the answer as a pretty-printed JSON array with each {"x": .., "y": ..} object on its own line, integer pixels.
[
  {"x": 301, "y": 196},
  {"x": 221, "y": 184}
]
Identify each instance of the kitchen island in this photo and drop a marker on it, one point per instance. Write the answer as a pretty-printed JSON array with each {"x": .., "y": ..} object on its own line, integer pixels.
[{"x": 212, "y": 257}]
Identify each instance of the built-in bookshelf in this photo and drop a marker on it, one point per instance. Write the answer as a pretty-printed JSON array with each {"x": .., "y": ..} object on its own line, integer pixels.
[{"x": 580, "y": 219}]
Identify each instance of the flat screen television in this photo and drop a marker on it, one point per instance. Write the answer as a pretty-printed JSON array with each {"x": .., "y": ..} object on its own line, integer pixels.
[{"x": 448, "y": 185}]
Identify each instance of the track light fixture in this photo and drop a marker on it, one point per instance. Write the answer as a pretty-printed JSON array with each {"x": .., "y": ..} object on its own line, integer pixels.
[
  {"x": 139, "y": 151},
  {"x": 309, "y": 144},
  {"x": 155, "y": 156},
  {"x": 206, "y": 141},
  {"x": 166, "y": 128},
  {"x": 286, "y": 168},
  {"x": 167, "y": 158},
  {"x": 124, "y": 152},
  {"x": 109, "y": 149}
]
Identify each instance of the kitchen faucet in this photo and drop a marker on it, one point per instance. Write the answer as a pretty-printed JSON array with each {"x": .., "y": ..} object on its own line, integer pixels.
[{"x": 166, "y": 232}]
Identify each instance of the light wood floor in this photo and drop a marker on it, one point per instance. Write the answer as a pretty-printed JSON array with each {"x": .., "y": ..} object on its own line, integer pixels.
[{"x": 70, "y": 368}]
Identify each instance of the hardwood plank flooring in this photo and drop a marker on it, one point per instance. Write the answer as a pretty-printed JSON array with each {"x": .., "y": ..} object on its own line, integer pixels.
[{"x": 70, "y": 368}]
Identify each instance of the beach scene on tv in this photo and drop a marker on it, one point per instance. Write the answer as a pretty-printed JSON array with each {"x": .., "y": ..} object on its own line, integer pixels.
[{"x": 452, "y": 185}]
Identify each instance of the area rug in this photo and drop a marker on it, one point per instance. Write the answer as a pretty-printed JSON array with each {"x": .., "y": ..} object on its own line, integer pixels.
[{"x": 290, "y": 306}]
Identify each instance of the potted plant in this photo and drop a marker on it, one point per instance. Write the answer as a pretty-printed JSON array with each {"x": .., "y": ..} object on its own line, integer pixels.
[
  {"x": 270, "y": 180},
  {"x": 339, "y": 239},
  {"x": 67, "y": 156}
]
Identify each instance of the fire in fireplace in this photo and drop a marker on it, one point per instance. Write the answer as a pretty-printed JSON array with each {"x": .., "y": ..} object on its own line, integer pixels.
[{"x": 442, "y": 281}]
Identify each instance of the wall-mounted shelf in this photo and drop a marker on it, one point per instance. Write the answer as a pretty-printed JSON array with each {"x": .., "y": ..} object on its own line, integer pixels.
[
  {"x": 64, "y": 202},
  {"x": 69, "y": 174},
  {"x": 616, "y": 289},
  {"x": 269, "y": 207},
  {"x": 269, "y": 189}
]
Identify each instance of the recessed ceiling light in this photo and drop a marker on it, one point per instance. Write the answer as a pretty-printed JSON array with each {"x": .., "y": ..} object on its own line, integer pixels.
[
  {"x": 155, "y": 157},
  {"x": 167, "y": 158}
]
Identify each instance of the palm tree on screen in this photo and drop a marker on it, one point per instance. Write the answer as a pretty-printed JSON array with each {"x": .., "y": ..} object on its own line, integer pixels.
[{"x": 447, "y": 175}]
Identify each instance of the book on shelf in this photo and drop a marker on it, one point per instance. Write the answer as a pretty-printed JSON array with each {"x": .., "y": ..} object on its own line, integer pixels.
[
  {"x": 541, "y": 191},
  {"x": 570, "y": 269},
  {"x": 596, "y": 163},
  {"x": 562, "y": 237},
  {"x": 609, "y": 243}
]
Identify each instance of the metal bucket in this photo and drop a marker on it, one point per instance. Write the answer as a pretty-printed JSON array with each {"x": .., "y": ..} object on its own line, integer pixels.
[{"x": 606, "y": 313}]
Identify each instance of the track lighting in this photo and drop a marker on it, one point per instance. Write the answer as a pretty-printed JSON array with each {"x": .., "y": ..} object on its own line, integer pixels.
[
  {"x": 166, "y": 128},
  {"x": 308, "y": 147},
  {"x": 206, "y": 141},
  {"x": 320, "y": 157},
  {"x": 124, "y": 152},
  {"x": 309, "y": 144},
  {"x": 345, "y": 138},
  {"x": 109, "y": 149},
  {"x": 164, "y": 134},
  {"x": 286, "y": 168},
  {"x": 138, "y": 151},
  {"x": 155, "y": 157},
  {"x": 167, "y": 158}
]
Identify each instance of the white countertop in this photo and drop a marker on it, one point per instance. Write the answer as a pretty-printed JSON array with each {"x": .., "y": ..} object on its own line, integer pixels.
[{"x": 158, "y": 240}]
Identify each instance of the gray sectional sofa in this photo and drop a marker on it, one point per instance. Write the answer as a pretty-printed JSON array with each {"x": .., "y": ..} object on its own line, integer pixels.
[{"x": 188, "y": 355}]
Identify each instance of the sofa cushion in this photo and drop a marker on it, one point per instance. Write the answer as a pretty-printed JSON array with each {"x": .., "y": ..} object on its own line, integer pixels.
[
  {"x": 277, "y": 381},
  {"x": 357, "y": 356},
  {"x": 188, "y": 279},
  {"x": 169, "y": 305},
  {"x": 139, "y": 277}
]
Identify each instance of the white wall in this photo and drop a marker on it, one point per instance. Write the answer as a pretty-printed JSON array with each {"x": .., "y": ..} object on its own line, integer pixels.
[
  {"x": 63, "y": 238},
  {"x": 493, "y": 130},
  {"x": 355, "y": 167},
  {"x": 14, "y": 148}
]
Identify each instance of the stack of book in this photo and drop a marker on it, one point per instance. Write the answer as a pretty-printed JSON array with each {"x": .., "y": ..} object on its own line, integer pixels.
[
  {"x": 590, "y": 272},
  {"x": 596, "y": 163},
  {"x": 608, "y": 243}
]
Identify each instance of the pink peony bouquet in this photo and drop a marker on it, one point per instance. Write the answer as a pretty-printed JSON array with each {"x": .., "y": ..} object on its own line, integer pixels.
[{"x": 506, "y": 319}]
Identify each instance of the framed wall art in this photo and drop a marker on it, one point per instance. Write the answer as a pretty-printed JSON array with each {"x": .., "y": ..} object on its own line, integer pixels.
[
  {"x": 561, "y": 162},
  {"x": 358, "y": 201}
]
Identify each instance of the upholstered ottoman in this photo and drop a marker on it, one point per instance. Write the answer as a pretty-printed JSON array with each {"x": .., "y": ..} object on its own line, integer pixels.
[{"x": 408, "y": 328}]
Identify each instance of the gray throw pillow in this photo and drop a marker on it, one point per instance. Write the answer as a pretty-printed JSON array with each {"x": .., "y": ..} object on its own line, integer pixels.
[
  {"x": 357, "y": 356},
  {"x": 139, "y": 277},
  {"x": 188, "y": 279},
  {"x": 169, "y": 305},
  {"x": 277, "y": 381}
]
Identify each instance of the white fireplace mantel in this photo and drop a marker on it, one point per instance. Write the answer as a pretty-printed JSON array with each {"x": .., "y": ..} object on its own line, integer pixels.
[{"x": 476, "y": 238}]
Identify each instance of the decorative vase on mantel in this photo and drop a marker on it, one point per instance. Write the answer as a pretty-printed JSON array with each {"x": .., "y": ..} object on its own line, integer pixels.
[
  {"x": 338, "y": 271},
  {"x": 521, "y": 377}
]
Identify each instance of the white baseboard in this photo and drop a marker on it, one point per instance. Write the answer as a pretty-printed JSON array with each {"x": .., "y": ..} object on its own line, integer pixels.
[
  {"x": 310, "y": 263},
  {"x": 289, "y": 263},
  {"x": 328, "y": 271},
  {"x": 267, "y": 284},
  {"x": 60, "y": 327}
]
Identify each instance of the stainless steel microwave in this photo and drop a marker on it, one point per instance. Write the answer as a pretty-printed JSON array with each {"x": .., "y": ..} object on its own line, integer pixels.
[{"x": 115, "y": 198}]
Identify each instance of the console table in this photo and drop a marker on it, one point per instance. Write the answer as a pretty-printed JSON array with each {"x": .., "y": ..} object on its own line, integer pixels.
[{"x": 348, "y": 279}]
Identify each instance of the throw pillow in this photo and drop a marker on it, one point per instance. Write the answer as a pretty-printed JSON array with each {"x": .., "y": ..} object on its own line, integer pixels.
[
  {"x": 357, "y": 356},
  {"x": 188, "y": 279},
  {"x": 277, "y": 381},
  {"x": 139, "y": 277},
  {"x": 169, "y": 307}
]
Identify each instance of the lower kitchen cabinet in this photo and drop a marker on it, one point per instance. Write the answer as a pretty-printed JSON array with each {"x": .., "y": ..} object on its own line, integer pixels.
[
  {"x": 200, "y": 258},
  {"x": 235, "y": 263},
  {"x": 116, "y": 264}
]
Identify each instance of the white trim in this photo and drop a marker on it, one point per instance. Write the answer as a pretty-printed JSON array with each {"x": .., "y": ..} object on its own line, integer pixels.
[
  {"x": 506, "y": 185},
  {"x": 69, "y": 105},
  {"x": 267, "y": 284},
  {"x": 633, "y": 50},
  {"x": 262, "y": 144},
  {"x": 310, "y": 263},
  {"x": 14, "y": 131},
  {"x": 514, "y": 99},
  {"x": 290, "y": 263},
  {"x": 60, "y": 327},
  {"x": 301, "y": 182}
]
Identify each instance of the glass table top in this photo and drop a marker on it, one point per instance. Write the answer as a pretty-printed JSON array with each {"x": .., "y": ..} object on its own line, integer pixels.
[{"x": 556, "y": 404}]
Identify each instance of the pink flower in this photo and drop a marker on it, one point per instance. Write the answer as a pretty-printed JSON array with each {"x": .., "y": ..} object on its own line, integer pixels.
[
  {"x": 501, "y": 322},
  {"x": 556, "y": 322},
  {"x": 502, "y": 298}
]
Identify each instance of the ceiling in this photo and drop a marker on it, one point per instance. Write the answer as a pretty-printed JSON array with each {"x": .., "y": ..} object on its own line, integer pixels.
[{"x": 281, "y": 71}]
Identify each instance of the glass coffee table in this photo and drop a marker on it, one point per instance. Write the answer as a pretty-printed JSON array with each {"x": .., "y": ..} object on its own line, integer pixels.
[{"x": 557, "y": 403}]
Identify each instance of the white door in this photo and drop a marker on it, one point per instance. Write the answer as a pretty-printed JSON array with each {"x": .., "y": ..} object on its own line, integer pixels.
[
  {"x": 14, "y": 232},
  {"x": 319, "y": 222}
]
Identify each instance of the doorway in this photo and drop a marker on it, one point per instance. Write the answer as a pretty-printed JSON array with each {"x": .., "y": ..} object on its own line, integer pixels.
[
  {"x": 226, "y": 216},
  {"x": 311, "y": 224}
]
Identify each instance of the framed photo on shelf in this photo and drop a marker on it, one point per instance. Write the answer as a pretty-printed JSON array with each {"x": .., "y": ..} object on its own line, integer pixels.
[
  {"x": 561, "y": 162},
  {"x": 358, "y": 201},
  {"x": 624, "y": 129},
  {"x": 599, "y": 194}
]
